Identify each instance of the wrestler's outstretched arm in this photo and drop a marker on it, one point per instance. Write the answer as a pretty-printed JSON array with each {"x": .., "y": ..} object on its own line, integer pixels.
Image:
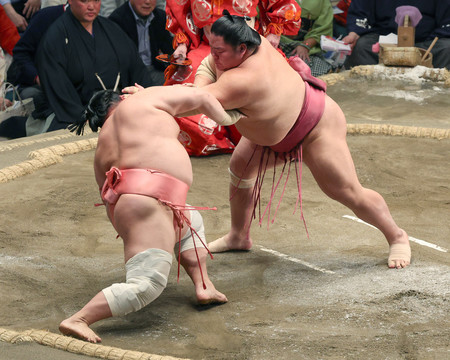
[{"x": 191, "y": 100}]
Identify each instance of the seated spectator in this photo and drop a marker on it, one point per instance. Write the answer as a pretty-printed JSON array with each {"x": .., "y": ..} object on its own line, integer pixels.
[
  {"x": 146, "y": 26},
  {"x": 340, "y": 20},
  {"x": 21, "y": 11},
  {"x": 73, "y": 64},
  {"x": 368, "y": 19},
  {"x": 317, "y": 20},
  {"x": 23, "y": 72}
]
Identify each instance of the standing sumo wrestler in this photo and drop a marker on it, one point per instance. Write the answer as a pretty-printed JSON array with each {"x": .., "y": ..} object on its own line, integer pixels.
[{"x": 290, "y": 120}]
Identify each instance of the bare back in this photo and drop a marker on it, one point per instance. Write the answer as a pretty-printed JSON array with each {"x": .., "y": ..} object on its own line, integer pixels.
[
  {"x": 142, "y": 133},
  {"x": 270, "y": 95}
]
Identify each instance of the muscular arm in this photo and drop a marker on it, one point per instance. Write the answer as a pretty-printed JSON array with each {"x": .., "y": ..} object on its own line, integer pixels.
[
  {"x": 231, "y": 87},
  {"x": 183, "y": 101}
]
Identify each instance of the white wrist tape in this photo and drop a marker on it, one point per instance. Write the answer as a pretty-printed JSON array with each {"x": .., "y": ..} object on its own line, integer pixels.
[
  {"x": 147, "y": 274},
  {"x": 233, "y": 116},
  {"x": 206, "y": 69},
  {"x": 187, "y": 242}
]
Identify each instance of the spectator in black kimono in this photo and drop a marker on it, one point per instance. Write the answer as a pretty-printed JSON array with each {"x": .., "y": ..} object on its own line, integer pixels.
[{"x": 80, "y": 54}]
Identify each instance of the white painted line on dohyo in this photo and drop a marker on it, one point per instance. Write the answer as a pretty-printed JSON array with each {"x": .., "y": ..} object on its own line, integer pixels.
[
  {"x": 417, "y": 241},
  {"x": 298, "y": 261}
]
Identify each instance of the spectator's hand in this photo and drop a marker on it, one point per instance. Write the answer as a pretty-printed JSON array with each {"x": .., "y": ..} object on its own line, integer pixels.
[
  {"x": 274, "y": 40},
  {"x": 31, "y": 6},
  {"x": 301, "y": 52},
  {"x": 19, "y": 21},
  {"x": 37, "y": 81},
  {"x": 180, "y": 52},
  {"x": 351, "y": 39},
  {"x": 4, "y": 103}
]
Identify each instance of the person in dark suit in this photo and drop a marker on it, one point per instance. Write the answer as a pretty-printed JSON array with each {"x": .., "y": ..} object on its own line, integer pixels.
[{"x": 146, "y": 26}]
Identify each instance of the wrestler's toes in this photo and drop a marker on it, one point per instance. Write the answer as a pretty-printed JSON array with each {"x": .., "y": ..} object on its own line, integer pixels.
[
  {"x": 95, "y": 340},
  {"x": 213, "y": 301},
  {"x": 392, "y": 264},
  {"x": 397, "y": 264},
  {"x": 211, "y": 296},
  {"x": 399, "y": 256},
  {"x": 222, "y": 299}
]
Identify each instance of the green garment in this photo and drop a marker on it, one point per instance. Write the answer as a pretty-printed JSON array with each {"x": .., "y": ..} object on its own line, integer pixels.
[{"x": 317, "y": 20}]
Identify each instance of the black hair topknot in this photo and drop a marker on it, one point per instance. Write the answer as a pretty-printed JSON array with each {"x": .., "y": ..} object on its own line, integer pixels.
[{"x": 96, "y": 111}]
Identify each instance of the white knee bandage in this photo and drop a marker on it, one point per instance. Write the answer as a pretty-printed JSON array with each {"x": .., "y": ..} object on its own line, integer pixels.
[
  {"x": 147, "y": 274},
  {"x": 241, "y": 183},
  {"x": 187, "y": 242}
]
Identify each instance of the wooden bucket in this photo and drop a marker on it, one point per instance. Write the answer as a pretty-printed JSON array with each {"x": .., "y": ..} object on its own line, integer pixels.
[{"x": 404, "y": 56}]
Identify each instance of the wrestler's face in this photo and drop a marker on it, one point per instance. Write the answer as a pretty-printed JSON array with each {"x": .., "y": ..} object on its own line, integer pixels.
[
  {"x": 85, "y": 10},
  {"x": 143, "y": 8},
  {"x": 225, "y": 55}
]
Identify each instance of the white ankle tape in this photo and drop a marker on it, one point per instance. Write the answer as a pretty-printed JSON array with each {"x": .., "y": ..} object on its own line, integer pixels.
[
  {"x": 147, "y": 274},
  {"x": 241, "y": 183}
]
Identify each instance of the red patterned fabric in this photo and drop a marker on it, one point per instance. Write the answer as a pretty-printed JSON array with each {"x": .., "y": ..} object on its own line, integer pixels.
[
  {"x": 342, "y": 17},
  {"x": 9, "y": 35},
  {"x": 279, "y": 17},
  {"x": 200, "y": 135},
  {"x": 189, "y": 16}
]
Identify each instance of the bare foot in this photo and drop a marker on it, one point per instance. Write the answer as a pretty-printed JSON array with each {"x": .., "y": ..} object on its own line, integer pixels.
[
  {"x": 210, "y": 295},
  {"x": 78, "y": 328},
  {"x": 226, "y": 243},
  {"x": 400, "y": 253}
]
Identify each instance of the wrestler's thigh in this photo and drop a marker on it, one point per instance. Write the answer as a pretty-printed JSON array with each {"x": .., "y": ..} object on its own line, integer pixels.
[
  {"x": 246, "y": 158},
  {"x": 142, "y": 222},
  {"x": 326, "y": 153}
]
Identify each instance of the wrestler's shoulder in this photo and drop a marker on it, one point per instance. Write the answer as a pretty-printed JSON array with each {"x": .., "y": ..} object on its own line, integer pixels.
[{"x": 241, "y": 74}]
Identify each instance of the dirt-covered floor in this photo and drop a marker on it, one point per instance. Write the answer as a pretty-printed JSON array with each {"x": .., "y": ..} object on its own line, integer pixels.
[{"x": 327, "y": 297}]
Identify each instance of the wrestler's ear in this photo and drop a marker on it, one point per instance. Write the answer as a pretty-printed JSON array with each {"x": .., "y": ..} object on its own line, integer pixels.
[{"x": 242, "y": 49}]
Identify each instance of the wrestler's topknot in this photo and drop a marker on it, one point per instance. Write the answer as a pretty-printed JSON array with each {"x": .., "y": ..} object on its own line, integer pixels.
[
  {"x": 235, "y": 30},
  {"x": 96, "y": 111}
]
